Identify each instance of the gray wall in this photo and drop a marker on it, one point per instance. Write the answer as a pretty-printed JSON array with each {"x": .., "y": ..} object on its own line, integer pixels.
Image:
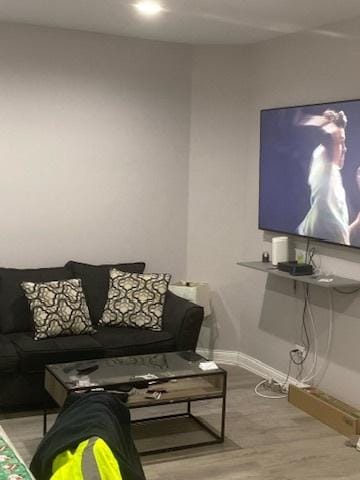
[
  {"x": 217, "y": 190},
  {"x": 94, "y": 150},
  {"x": 253, "y": 314},
  {"x": 94, "y": 139}
]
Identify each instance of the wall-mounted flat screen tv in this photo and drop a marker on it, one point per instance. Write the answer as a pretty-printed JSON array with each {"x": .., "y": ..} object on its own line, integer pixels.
[{"x": 310, "y": 171}]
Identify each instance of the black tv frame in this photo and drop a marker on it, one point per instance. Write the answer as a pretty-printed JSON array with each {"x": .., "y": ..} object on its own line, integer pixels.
[{"x": 297, "y": 235}]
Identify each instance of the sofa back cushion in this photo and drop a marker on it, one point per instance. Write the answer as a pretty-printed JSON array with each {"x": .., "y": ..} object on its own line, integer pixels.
[
  {"x": 15, "y": 313},
  {"x": 95, "y": 282},
  {"x": 58, "y": 308},
  {"x": 136, "y": 300}
]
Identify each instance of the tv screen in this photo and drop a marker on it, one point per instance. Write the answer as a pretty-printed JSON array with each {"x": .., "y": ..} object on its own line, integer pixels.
[{"x": 310, "y": 171}]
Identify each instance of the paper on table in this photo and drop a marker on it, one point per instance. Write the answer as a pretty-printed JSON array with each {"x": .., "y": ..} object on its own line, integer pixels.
[{"x": 208, "y": 366}]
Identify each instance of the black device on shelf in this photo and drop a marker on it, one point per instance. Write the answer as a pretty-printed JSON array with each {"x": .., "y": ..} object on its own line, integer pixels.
[{"x": 296, "y": 268}]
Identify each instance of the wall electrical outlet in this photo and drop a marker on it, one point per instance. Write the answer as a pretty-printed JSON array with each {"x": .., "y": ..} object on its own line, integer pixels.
[{"x": 301, "y": 349}]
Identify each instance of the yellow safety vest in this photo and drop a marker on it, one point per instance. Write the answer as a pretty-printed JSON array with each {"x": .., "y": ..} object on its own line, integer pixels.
[{"x": 91, "y": 460}]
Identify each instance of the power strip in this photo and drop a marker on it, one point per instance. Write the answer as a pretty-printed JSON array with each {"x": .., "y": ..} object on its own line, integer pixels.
[{"x": 274, "y": 386}]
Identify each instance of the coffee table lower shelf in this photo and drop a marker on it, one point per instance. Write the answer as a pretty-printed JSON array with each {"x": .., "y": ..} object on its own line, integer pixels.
[
  {"x": 180, "y": 425},
  {"x": 177, "y": 431}
]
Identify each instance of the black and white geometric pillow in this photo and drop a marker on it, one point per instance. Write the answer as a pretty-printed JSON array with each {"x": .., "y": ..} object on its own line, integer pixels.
[
  {"x": 59, "y": 308},
  {"x": 135, "y": 300}
]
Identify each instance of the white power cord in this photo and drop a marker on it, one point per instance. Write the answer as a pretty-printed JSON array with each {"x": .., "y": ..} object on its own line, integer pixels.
[
  {"x": 315, "y": 340},
  {"x": 313, "y": 373},
  {"x": 263, "y": 395},
  {"x": 329, "y": 340}
]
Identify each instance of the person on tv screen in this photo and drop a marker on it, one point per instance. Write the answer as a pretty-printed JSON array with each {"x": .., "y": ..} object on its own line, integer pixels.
[{"x": 328, "y": 216}]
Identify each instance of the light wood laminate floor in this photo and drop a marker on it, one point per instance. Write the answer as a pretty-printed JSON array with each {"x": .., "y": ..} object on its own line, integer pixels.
[{"x": 265, "y": 439}]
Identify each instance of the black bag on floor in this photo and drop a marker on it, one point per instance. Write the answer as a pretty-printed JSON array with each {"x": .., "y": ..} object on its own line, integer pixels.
[{"x": 93, "y": 414}]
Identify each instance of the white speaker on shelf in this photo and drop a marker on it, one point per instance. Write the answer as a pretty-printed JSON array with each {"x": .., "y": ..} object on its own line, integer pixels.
[{"x": 280, "y": 250}]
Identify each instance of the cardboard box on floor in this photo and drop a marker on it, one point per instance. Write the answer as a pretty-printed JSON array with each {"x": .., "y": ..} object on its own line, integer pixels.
[{"x": 336, "y": 414}]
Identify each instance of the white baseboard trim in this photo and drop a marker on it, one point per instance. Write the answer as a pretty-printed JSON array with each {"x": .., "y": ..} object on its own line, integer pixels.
[{"x": 249, "y": 363}]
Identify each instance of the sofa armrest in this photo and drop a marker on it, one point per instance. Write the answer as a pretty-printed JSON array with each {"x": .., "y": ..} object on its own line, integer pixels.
[{"x": 183, "y": 319}]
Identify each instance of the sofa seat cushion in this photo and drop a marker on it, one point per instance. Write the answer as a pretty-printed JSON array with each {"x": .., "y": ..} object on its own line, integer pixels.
[
  {"x": 9, "y": 358},
  {"x": 120, "y": 341},
  {"x": 95, "y": 282},
  {"x": 15, "y": 313},
  {"x": 22, "y": 390},
  {"x": 35, "y": 354}
]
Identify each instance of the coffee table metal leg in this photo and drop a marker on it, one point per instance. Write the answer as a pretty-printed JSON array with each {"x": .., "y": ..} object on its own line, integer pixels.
[
  {"x": 218, "y": 434},
  {"x": 223, "y": 409}
]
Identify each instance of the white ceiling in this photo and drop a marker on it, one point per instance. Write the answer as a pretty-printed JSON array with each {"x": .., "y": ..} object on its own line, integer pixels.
[{"x": 188, "y": 21}]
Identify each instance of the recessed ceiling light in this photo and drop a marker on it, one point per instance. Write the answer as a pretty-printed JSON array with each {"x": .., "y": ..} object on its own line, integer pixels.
[{"x": 148, "y": 8}]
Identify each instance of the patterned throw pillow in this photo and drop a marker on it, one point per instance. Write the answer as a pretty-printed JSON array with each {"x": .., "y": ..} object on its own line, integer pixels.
[
  {"x": 135, "y": 300},
  {"x": 59, "y": 308}
]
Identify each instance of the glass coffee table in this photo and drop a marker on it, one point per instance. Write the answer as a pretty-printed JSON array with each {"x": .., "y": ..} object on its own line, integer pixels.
[{"x": 153, "y": 380}]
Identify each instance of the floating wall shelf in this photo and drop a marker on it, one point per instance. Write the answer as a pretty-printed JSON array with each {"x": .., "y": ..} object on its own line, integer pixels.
[{"x": 337, "y": 282}]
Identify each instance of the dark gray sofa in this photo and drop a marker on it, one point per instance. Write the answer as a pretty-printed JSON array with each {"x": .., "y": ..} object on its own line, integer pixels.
[{"x": 22, "y": 359}]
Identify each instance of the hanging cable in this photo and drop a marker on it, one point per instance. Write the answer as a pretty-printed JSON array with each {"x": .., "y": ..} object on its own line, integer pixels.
[
  {"x": 315, "y": 340},
  {"x": 329, "y": 339},
  {"x": 304, "y": 330},
  {"x": 307, "y": 250},
  {"x": 284, "y": 384}
]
